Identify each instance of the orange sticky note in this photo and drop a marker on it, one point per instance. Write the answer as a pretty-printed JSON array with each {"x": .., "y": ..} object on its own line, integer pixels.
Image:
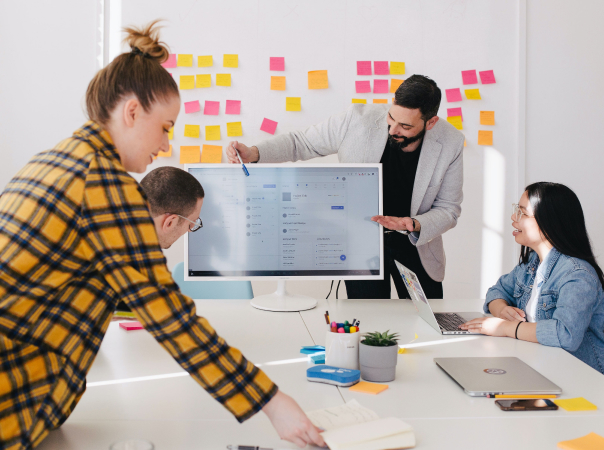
[
  {"x": 211, "y": 154},
  {"x": 192, "y": 131},
  {"x": 213, "y": 133},
  {"x": 189, "y": 154},
  {"x": 487, "y": 117},
  {"x": 187, "y": 81},
  {"x": 317, "y": 79},
  {"x": 359, "y": 100},
  {"x": 293, "y": 103},
  {"x": 368, "y": 388},
  {"x": 165, "y": 154},
  {"x": 397, "y": 68},
  {"x": 394, "y": 84},
  {"x": 223, "y": 79},
  {"x": 485, "y": 137},
  {"x": 234, "y": 129},
  {"x": 473, "y": 94},
  {"x": 456, "y": 122},
  {"x": 230, "y": 61},
  {"x": 204, "y": 80},
  {"x": 205, "y": 61},
  {"x": 465, "y": 143},
  {"x": 185, "y": 61},
  {"x": 591, "y": 441},
  {"x": 380, "y": 100},
  {"x": 171, "y": 133},
  {"x": 277, "y": 83}
]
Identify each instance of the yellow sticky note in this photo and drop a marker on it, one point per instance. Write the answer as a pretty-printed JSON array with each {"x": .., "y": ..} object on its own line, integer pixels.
[
  {"x": 204, "y": 80},
  {"x": 205, "y": 61},
  {"x": 402, "y": 350},
  {"x": 368, "y": 388},
  {"x": 472, "y": 94},
  {"x": 171, "y": 133},
  {"x": 184, "y": 61},
  {"x": 397, "y": 68},
  {"x": 485, "y": 137},
  {"x": 455, "y": 121},
  {"x": 213, "y": 133},
  {"x": 591, "y": 441},
  {"x": 165, "y": 154},
  {"x": 575, "y": 404},
  {"x": 189, "y": 154},
  {"x": 277, "y": 83},
  {"x": 317, "y": 79},
  {"x": 211, "y": 154},
  {"x": 187, "y": 81},
  {"x": 230, "y": 61},
  {"x": 293, "y": 103},
  {"x": 487, "y": 117},
  {"x": 394, "y": 84},
  {"x": 234, "y": 129},
  {"x": 359, "y": 100},
  {"x": 223, "y": 79},
  {"x": 380, "y": 100},
  {"x": 192, "y": 131}
]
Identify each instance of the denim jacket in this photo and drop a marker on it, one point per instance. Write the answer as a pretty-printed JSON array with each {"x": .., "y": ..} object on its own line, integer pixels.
[{"x": 570, "y": 312}]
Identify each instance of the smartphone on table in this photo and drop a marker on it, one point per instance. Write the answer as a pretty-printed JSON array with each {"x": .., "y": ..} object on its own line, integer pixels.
[{"x": 527, "y": 405}]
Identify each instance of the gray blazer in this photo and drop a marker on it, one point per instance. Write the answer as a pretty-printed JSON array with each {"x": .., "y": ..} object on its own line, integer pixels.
[{"x": 359, "y": 135}]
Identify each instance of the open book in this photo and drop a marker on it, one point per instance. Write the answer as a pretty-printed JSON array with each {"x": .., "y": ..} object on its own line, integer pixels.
[{"x": 352, "y": 427}]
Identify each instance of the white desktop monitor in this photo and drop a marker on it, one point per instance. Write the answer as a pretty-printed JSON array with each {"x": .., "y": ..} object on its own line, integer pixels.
[{"x": 287, "y": 222}]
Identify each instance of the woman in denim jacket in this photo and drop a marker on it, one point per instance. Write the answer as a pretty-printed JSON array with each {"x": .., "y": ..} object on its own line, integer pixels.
[{"x": 554, "y": 295}]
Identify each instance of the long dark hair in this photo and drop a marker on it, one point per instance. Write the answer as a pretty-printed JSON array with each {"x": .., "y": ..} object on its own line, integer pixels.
[{"x": 560, "y": 218}]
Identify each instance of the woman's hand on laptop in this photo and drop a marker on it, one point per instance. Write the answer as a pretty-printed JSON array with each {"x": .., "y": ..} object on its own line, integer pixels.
[{"x": 491, "y": 326}]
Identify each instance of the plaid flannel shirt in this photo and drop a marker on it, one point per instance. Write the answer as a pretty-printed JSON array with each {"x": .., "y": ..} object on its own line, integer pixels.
[{"x": 76, "y": 236}]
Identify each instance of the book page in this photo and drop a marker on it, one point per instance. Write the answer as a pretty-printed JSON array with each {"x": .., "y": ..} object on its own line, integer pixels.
[{"x": 341, "y": 416}]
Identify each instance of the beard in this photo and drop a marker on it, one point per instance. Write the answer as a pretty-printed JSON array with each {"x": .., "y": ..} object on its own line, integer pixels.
[{"x": 406, "y": 141}]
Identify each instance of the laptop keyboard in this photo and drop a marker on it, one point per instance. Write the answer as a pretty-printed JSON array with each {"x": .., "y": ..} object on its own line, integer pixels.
[{"x": 449, "y": 321}]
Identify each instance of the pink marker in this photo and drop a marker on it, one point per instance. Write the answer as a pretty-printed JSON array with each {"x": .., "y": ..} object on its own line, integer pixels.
[
  {"x": 333, "y": 324},
  {"x": 341, "y": 330}
]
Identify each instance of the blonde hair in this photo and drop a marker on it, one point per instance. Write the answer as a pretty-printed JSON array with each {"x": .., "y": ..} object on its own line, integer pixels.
[{"x": 137, "y": 72}]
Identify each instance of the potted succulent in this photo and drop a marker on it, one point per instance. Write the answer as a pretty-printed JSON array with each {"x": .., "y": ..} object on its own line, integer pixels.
[{"x": 378, "y": 355}]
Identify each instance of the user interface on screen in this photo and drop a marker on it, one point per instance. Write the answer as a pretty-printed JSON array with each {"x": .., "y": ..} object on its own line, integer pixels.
[{"x": 286, "y": 221}]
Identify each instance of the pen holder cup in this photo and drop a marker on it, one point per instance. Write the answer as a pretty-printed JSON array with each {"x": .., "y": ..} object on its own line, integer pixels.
[{"x": 342, "y": 350}]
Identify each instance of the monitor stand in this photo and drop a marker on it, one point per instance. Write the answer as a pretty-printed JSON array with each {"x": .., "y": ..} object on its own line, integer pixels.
[{"x": 281, "y": 300}]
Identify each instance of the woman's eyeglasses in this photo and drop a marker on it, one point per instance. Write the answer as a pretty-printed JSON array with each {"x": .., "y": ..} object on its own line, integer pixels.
[{"x": 517, "y": 212}]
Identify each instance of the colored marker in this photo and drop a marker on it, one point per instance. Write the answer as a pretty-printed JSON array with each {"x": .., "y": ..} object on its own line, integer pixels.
[
  {"x": 340, "y": 330},
  {"x": 247, "y": 174},
  {"x": 334, "y": 329}
]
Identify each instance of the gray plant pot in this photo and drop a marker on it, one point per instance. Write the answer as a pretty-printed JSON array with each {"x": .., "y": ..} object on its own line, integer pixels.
[{"x": 378, "y": 363}]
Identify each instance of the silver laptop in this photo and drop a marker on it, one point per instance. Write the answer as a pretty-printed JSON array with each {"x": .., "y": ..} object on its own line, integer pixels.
[
  {"x": 444, "y": 323},
  {"x": 480, "y": 377}
]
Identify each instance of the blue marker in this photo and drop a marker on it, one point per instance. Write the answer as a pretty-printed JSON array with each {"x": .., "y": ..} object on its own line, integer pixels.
[{"x": 247, "y": 174}]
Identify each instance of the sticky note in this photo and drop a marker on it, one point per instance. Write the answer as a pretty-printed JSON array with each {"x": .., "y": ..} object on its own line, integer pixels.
[
  {"x": 192, "y": 131},
  {"x": 465, "y": 142},
  {"x": 401, "y": 350},
  {"x": 485, "y": 137},
  {"x": 189, "y": 154},
  {"x": 234, "y": 129},
  {"x": 487, "y": 77},
  {"x": 380, "y": 87},
  {"x": 359, "y": 100},
  {"x": 277, "y": 63},
  {"x": 233, "y": 107},
  {"x": 211, "y": 108},
  {"x": 362, "y": 87},
  {"x": 230, "y": 61},
  {"x": 469, "y": 77},
  {"x": 397, "y": 68},
  {"x": 575, "y": 404},
  {"x": 191, "y": 107},
  {"x": 293, "y": 103},
  {"x": 453, "y": 95},
  {"x": 277, "y": 83},
  {"x": 165, "y": 154},
  {"x": 129, "y": 326},
  {"x": 212, "y": 132},
  {"x": 487, "y": 117},
  {"x": 187, "y": 82},
  {"x": 591, "y": 441},
  {"x": 223, "y": 79},
  {"x": 381, "y": 68},
  {"x": 204, "y": 80},
  {"x": 472, "y": 94},
  {"x": 364, "y": 68},
  {"x": 185, "y": 61},
  {"x": 317, "y": 79},
  {"x": 171, "y": 133},
  {"x": 211, "y": 154},
  {"x": 205, "y": 61},
  {"x": 455, "y": 121},
  {"x": 394, "y": 84},
  {"x": 268, "y": 125},
  {"x": 380, "y": 100},
  {"x": 368, "y": 388},
  {"x": 454, "y": 112},
  {"x": 170, "y": 63}
]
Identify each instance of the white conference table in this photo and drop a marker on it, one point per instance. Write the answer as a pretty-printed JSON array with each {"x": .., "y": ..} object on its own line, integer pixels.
[{"x": 135, "y": 389}]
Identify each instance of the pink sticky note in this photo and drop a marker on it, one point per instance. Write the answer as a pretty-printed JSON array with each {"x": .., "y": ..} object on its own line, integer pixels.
[
  {"x": 487, "y": 77},
  {"x": 453, "y": 95},
  {"x": 278, "y": 63},
  {"x": 233, "y": 107},
  {"x": 363, "y": 86},
  {"x": 452, "y": 112},
  {"x": 381, "y": 68},
  {"x": 469, "y": 77},
  {"x": 171, "y": 62},
  {"x": 269, "y": 126},
  {"x": 381, "y": 87},
  {"x": 211, "y": 108},
  {"x": 129, "y": 326},
  {"x": 191, "y": 107},
  {"x": 364, "y": 68}
]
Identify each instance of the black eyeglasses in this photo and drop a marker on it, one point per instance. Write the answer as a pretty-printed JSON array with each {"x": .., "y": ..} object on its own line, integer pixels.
[{"x": 196, "y": 225}]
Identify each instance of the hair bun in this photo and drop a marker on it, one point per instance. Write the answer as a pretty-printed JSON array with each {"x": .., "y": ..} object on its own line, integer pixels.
[{"x": 146, "y": 39}]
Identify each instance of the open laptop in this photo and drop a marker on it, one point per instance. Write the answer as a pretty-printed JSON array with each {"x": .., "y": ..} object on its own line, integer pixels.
[
  {"x": 444, "y": 323},
  {"x": 482, "y": 376}
]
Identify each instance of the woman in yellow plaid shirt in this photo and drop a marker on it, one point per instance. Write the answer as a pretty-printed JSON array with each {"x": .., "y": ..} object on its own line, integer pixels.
[{"x": 76, "y": 236}]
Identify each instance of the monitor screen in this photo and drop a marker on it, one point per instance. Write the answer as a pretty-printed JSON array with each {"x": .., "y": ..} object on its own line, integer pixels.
[{"x": 287, "y": 221}]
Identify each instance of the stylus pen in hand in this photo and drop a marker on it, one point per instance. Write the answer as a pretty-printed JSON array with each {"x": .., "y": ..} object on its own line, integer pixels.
[{"x": 247, "y": 174}]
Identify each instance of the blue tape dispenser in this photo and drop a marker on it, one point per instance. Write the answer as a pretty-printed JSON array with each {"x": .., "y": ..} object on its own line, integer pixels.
[{"x": 333, "y": 375}]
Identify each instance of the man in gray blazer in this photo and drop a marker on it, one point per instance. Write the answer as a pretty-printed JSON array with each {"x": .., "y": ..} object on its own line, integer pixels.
[{"x": 422, "y": 159}]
